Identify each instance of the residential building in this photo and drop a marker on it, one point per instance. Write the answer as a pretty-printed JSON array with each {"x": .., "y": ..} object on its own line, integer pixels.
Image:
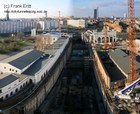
[{"x": 26, "y": 25}]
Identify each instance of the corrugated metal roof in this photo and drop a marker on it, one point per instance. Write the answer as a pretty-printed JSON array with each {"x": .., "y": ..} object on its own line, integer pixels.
[
  {"x": 41, "y": 62},
  {"x": 9, "y": 59},
  {"x": 26, "y": 59},
  {"x": 114, "y": 73},
  {"x": 122, "y": 60},
  {"x": 7, "y": 80},
  {"x": 36, "y": 66},
  {"x": 53, "y": 48}
]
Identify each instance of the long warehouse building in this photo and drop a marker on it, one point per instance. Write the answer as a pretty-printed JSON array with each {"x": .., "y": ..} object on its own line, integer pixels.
[{"x": 28, "y": 70}]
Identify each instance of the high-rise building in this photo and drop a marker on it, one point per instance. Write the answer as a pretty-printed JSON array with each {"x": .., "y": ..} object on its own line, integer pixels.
[{"x": 96, "y": 13}]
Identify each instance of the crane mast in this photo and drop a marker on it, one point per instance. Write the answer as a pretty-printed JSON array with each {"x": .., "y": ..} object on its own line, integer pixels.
[
  {"x": 117, "y": 27},
  {"x": 131, "y": 36},
  {"x": 105, "y": 34}
]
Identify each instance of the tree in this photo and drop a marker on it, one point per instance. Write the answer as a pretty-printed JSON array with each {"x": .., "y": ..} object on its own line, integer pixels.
[
  {"x": 20, "y": 35},
  {"x": 38, "y": 27}
]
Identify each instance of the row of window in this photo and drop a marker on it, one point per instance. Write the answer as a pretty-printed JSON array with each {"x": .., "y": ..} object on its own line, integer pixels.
[
  {"x": 11, "y": 69},
  {"x": 16, "y": 90}
]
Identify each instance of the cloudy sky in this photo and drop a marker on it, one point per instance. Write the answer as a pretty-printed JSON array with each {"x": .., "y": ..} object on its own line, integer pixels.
[{"x": 79, "y": 8}]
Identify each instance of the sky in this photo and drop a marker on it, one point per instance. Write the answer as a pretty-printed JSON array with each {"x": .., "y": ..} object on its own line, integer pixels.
[
  {"x": 78, "y": 8},
  {"x": 107, "y": 8},
  {"x": 51, "y": 6}
]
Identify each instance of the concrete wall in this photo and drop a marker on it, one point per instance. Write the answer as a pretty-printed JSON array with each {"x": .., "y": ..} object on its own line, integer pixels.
[
  {"x": 104, "y": 75},
  {"x": 102, "y": 91}
]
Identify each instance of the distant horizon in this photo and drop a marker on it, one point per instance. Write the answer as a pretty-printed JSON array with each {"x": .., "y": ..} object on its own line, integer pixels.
[
  {"x": 61, "y": 17},
  {"x": 57, "y": 17}
]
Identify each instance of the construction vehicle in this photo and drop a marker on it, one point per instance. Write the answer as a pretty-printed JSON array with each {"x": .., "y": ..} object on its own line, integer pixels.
[{"x": 127, "y": 92}]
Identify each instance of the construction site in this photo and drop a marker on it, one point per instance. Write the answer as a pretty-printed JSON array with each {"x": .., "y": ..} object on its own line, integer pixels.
[
  {"x": 98, "y": 72},
  {"x": 118, "y": 63},
  {"x": 117, "y": 66},
  {"x": 77, "y": 90}
]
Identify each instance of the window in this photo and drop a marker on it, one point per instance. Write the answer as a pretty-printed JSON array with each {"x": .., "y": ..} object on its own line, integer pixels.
[
  {"x": 0, "y": 91},
  {"x": 24, "y": 85},
  {"x": 11, "y": 93},
  {"x": 1, "y": 99},
  {"x": 4, "y": 67},
  {"x": 10, "y": 69},
  {"x": 30, "y": 81},
  {"x": 21, "y": 87},
  {"x": 16, "y": 71},
  {"x": 7, "y": 96},
  {"x": 16, "y": 90}
]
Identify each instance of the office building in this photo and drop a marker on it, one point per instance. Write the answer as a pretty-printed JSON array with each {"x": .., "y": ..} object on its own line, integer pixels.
[{"x": 96, "y": 13}]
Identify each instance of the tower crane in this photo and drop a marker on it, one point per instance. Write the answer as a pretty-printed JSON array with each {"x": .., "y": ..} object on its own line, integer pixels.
[
  {"x": 105, "y": 33},
  {"x": 131, "y": 36},
  {"x": 132, "y": 53}
]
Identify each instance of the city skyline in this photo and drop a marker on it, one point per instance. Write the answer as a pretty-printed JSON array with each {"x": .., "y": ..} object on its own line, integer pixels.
[
  {"x": 107, "y": 8},
  {"x": 77, "y": 8}
]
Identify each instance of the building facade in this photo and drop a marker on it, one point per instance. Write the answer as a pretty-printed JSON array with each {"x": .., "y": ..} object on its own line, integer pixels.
[
  {"x": 77, "y": 23},
  {"x": 16, "y": 26},
  {"x": 26, "y": 25},
  {"x": 95, "y": 37},
  {"x": 10, "y": 84}
]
